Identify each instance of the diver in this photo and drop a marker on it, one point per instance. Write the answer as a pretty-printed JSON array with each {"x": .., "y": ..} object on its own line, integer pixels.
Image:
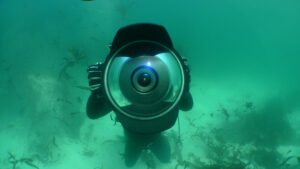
[{"x": 145, "y": 82}]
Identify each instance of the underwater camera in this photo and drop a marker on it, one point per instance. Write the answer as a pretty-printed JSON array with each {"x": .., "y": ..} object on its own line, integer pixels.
[{"x": 144, "y": 78}]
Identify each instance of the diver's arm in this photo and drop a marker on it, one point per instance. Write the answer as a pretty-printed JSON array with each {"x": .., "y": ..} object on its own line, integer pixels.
[
  {"x": 187, "y": 102},
  {"x": 97, "y": 106}
]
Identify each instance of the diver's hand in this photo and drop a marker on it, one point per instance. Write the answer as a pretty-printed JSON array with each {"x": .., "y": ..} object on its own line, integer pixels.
[{"x": 95, "y": 78}]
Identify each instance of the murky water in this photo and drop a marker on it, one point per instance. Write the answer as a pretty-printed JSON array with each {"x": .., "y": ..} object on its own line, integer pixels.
[{"x": 244, "y": 58}]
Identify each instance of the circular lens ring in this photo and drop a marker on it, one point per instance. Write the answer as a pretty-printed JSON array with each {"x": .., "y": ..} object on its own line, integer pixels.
[{"x": 120, "y": 109}]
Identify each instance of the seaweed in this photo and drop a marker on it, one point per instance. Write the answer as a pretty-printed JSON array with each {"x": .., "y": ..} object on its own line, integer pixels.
[
  {"x": 148, "y": 158},
  {"x": 46, "y": 150},
  {"x": 75, "y": 57},
  {"x": 176, "y": 145},
  {"x": 201, "y": 165},
  {"x": 54, "y": 141},
  {"x": 250, "y": 141},
  {"x": 123, "y": 7},
  {"x": 64, "y": 101},
  {"x": 75, "y": 113},
  {"x": 221, "y": 155},
  {"x": 225, "y": 112},
  {"x": 88, "y": 153},
  {"x": 284, "y": 163},
  {"x": 14, "y": 161},
  {"x": 249, "y": 105}
]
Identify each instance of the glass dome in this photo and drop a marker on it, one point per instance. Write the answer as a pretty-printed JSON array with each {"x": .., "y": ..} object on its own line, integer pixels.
[{"x": 144, "y": 80}]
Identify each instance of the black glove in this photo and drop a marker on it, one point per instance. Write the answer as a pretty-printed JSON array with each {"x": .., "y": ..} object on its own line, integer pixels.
[{"x": 95, "y": 78}]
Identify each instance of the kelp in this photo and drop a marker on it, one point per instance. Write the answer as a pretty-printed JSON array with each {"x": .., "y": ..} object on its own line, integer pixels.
[
  {"x": 200, "y": 165},
  {"x": 284, "y": 163},
  {"x": 14, "y": 161},
  {"x": 75, "y": 56},
  {"x": 148, "y": 158}
]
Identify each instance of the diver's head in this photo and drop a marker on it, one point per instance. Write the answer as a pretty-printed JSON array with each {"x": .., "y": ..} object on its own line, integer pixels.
[{"x": 144, "y": 77}]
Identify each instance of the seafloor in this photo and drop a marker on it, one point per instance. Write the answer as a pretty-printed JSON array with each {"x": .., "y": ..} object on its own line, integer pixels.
[{"x": 244, "y": 60}]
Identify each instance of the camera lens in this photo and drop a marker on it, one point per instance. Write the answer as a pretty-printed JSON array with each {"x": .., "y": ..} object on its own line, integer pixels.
[{"x": 144, "y": 79}]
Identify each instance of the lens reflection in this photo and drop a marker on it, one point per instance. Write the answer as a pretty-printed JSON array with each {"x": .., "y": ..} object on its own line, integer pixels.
[{"x": 144, "y": 79}]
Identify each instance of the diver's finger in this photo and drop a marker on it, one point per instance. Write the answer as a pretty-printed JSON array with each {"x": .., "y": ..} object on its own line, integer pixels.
[
  {"x": 95, "y": 87},
  {"x": 94, "y": 75}
]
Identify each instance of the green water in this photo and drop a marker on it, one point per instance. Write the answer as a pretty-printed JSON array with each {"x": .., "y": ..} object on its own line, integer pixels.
[{"x": 244, "y": 58}]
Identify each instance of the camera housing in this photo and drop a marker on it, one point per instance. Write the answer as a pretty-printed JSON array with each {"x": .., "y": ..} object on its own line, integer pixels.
[{"x": 145, "y": 79}]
